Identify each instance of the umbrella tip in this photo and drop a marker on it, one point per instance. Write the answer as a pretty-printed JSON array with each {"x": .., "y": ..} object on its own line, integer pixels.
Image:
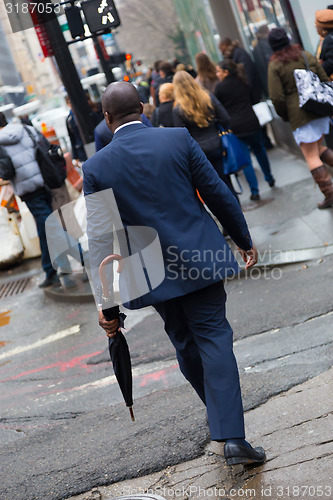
[{"x": 132, "y": 413}]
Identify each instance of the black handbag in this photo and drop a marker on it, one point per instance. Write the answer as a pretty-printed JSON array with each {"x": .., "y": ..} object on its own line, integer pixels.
[
  {"x": 51, "y": 161},
  {"x": 7, "y": 170},
  {"x": 314, "y": 96}
]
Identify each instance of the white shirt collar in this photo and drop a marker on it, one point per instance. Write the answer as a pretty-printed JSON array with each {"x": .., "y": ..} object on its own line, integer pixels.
[{"x": 125, "y": 125}]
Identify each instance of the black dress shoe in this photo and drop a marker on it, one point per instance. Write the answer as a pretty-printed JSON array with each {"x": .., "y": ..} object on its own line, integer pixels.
[
  {"x": 272, "y": 183},
  {"x": 255, "y": 197},
  {"x": 50, "y": 281},
  {"x": 241, "y": 454}
]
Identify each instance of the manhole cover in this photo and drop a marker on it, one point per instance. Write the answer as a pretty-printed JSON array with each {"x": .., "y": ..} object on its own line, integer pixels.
[{"x": 13, "y": 287}]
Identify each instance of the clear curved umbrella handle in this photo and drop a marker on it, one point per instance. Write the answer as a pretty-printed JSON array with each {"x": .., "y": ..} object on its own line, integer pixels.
[{"x": 102, "y": 275}]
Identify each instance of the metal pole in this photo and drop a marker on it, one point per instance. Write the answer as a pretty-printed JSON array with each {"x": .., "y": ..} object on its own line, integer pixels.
[
  {"x": 71, "y": 80},
  {"x": 107, "y": 70}
]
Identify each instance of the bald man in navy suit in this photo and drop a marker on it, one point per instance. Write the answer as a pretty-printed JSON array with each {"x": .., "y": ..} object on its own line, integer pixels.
[{"x": 154, "y": 174}]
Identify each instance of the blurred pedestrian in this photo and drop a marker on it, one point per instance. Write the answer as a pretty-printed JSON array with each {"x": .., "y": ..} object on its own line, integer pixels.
[
  {"x": 262, "y": 53},
  {"x": 148, "y": 110},
  {"x": 198, "y": 111},
  {"x": 324, "y": 26},
  {"x": 78, "y": 151},
  {"x": 163, "y": 115},
  {"x": 155, "y": 80},
  {"x": 235, "y": 94},
  {"x": 166, "y": 75},
  {"x": 231, "y": 49},
  {"x": 206, "y": 72},
  {"x": 308, "y": 129},
  {"x": 153, "y": 174},
  {"x": 142, "y": 86},
  {"x": 29, "y": 185}
]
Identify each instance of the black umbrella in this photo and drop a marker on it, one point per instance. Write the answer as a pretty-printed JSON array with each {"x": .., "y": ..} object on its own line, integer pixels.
[{"x": 118, "y": 347}]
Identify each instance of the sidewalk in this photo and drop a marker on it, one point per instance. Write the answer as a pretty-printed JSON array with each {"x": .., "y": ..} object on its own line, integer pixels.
[
  {"x": 296, "y": 430},
  {"x": 286, "y": 225}
]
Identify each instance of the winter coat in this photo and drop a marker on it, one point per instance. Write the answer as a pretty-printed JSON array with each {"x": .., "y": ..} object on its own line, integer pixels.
[
  {"x": 207, "y": 137},
  {"x": 326, "y": 54},
  {"x": 283, "y": 91},
  {"x": 78, "y": 151},
  {"x": 262, "y": 53},
  {"x": 236, "y": 97},
  {"x": 162, "y": 116},
  {"x": 19, "y": 146},
  {"x": 240, "y": 56}
]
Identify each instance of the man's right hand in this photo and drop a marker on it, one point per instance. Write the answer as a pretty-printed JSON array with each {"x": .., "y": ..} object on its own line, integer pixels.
[{"x": 250, "y": 257}]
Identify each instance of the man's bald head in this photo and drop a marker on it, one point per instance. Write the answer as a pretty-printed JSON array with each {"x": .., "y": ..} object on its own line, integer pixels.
[{"x": 121, "y": 104}]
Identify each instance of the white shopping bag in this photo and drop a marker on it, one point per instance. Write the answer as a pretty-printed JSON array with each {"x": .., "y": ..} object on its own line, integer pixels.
[{"x": 263, "y": 113}]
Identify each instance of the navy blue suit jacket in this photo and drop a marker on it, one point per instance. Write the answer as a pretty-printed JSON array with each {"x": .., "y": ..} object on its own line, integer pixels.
[
  {"x": 154, "y": 174},
  {"x": 103, "y": 135}
]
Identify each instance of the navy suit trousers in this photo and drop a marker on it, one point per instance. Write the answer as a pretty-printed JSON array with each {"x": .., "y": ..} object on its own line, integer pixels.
[{"x": 198, "y": 329}]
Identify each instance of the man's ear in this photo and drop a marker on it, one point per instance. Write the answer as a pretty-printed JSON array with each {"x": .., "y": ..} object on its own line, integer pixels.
[
  {"x": 107, "y": 117},
  {"x": 141, "y": 108}
]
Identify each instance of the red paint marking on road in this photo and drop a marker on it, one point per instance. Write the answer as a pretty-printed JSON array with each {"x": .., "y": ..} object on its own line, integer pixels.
[
  {"x": 73, "y": 314},
  {"x": 3, "y": 343},
  {"x": 155, "y": 376},
  {"x": 4, "y": 318},
  {"x": 60, "y": 354},
  {"x": 61, "y": 365}
]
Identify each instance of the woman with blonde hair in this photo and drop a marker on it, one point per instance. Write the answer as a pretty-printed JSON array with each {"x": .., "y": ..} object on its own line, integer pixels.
[
  {"x": 206, "y": 72},
  {"x": 199, "y": 112}
]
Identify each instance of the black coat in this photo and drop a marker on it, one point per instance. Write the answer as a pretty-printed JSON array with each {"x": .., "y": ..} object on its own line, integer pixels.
[
  {"x": 262, "y": 53},
  {"x": 240, "y": 56},
  {"x": 162, "y": 116},
  {"x": 326, "y": 54},
  {"x": 236, "y": 97},
  {"x": 207, "y": 137}
]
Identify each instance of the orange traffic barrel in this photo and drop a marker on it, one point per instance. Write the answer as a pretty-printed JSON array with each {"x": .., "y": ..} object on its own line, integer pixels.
[{"x": 50, "y": 134}]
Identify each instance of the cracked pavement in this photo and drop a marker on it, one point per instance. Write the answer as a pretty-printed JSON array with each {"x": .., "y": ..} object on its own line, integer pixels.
[{"x": 290, "y": 426}]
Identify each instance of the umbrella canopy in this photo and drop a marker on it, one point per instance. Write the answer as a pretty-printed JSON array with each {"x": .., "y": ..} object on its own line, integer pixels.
[{"x": 118, "y": 347}]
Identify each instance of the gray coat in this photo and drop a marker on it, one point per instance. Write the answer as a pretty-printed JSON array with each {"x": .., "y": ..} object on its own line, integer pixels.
[{"x": 20, "y": 148}]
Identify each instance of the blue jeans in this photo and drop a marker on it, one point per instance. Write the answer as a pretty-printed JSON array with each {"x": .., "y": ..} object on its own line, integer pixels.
[
  {"x": 40, "y": 207},
  {"x": 256, "y": 144}
]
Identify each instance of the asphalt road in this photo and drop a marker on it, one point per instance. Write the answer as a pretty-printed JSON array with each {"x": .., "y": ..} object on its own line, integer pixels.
[{"x": 64, "y": 428}]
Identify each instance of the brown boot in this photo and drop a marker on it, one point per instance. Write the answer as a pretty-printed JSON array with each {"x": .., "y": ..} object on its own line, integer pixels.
[
  {"x": 324, "y": 181},
  {"x": 327, "y": 157}
]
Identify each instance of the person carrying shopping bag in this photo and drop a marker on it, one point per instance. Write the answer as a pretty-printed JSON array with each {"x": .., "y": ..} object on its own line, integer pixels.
[
  {"x": 308, "y": 128},
  {"x": 236, "y": 96}
]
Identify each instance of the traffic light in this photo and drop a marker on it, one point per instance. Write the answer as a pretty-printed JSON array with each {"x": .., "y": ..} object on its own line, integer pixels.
[
  {"x": 128, "y": 62},
  {"x": 74, "y": 20},
  {"x": 100, "y": 15},
  {"x": 117, "y": 58}
]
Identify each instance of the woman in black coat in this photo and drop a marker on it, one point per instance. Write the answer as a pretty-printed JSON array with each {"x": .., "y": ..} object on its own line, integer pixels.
[
  {"x": 198, "y": 111},
  {"x": 235, "y": 95}
]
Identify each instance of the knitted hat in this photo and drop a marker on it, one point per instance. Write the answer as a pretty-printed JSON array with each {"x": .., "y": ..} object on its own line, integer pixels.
[
  {"x": 324, "y": 19},
  {"x": 278, "y": 39}
]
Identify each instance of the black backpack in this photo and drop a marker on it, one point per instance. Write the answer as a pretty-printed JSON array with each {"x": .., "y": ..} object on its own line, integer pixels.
[
  {"x": 51, "y": 161},
  {"x": 7, "y": 170}
]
